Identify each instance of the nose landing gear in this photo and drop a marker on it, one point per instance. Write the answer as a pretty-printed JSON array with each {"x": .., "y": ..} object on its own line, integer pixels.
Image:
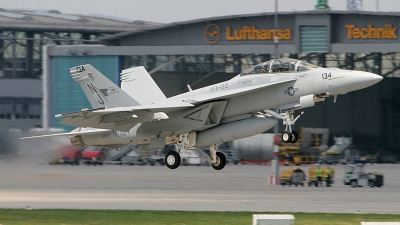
[{"x": 288, "y": 136}]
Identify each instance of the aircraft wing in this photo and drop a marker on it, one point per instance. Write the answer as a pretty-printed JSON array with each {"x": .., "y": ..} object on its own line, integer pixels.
[
  {"x": 95, "y": 131},
  {"x": 120, "y": 118},
  {"x": 229, "y": 93},
  {"x": 152, "y": 107}
]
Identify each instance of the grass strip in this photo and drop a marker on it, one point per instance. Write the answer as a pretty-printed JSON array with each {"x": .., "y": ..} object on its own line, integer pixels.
[{"x": 145, "y": 217}]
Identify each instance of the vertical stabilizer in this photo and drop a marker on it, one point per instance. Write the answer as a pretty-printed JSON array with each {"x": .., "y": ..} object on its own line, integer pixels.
[
  {"x": 100, "y": 91},
  {"x": 138, "y": 84}
]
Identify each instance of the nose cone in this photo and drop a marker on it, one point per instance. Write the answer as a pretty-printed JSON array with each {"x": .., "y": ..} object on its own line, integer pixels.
[
  {"x": 376, "y": 78},
  {"x": 358, "y": 80}
]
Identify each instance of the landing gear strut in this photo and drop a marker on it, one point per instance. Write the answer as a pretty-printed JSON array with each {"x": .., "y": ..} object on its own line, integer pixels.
[
  {"x": 188, "y": 140},
  {"x": 173, "y": 158},
  {"x": 288, "y": 136},
  {"x": 218, "y": 159}
]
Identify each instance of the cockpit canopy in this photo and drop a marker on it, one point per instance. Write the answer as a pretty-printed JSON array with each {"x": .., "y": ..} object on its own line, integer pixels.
[{"x": 279, "y": 65}]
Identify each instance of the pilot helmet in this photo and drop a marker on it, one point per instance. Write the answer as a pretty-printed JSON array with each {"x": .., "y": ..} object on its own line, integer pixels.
[
  {"x": 257, "y": 69},
  {"x": 266, "y": 67},
  {"x": 292, "y": 65}
]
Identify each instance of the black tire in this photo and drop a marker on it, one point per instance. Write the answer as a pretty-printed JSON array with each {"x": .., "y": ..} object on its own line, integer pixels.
[
  {"x": 371, "y": 183},
  {"x": 353, "y": 183},
  {"x": 172, "y": 160},
  {"x": 78, "y": 159},
  {"x": 295, "y": 137},
  {"x": 221, "y": 161},
  {"x": 286, "y": 137}
]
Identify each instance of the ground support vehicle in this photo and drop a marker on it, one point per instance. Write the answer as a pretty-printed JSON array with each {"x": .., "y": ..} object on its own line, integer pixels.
[
  {"x": 312, "y": 176},
  {"x": 72, "y": 158},
  {"x": 93, "y": 155},
  {"x": 330, "y": 157},
  {"x": 355, "y": 176},
  {"x": 304, "y": 159},
  {"x": 293, "y": 176}
]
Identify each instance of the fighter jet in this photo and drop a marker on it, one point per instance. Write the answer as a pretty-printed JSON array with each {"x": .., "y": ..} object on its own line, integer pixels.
[{"x": 248, "y": 104}]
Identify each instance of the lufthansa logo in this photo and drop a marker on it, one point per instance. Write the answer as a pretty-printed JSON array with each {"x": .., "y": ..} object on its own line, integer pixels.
[{"x": 212, "y": 33}]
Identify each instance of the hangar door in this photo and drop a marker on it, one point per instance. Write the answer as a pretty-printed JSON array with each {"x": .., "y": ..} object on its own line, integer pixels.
[{"x": 313, "y": 39}]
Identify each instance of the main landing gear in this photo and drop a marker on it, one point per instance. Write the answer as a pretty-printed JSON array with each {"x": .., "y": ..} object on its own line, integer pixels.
[
  {"x": 288, "y": 136},
  {"x": 218, "y": 159},
  {"x": 173, "y": 158}
]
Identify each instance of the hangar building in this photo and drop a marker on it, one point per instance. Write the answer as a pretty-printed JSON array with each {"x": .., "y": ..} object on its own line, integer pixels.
[
  {"x": 204, "y": 51},
  {"x": 23, "y": 32}
]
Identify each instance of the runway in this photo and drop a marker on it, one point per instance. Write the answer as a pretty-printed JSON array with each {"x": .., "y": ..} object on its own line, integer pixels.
[{"x": 235, "y": 188}]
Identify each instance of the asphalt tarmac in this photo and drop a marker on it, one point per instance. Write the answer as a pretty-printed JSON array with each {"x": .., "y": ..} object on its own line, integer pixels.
[{"x": 235, "y": 188}]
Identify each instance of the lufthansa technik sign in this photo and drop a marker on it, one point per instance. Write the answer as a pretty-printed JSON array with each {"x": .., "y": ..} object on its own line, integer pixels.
[
  {"x": 387, "y": 32},
  {"x": 213, "y": 34}
]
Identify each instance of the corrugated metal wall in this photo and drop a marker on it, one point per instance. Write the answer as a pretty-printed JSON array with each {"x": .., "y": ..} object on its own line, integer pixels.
[{"x": 313, "y": 39}]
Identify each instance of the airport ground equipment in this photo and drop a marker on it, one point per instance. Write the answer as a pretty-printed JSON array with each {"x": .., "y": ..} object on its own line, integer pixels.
[
  {"x": 94, "y": 157},
  {"x": 294, "y": 176},
  {"x": 258, "y": 149},
  {"x": 312, "y": 176},
  {"x": 330, "y": 158},
  {"x": 115, "y": 156},
  {"x": 341, "y": 152},
  {"x": 304, "y": 159},
  {"x": 355, "y": 176}
]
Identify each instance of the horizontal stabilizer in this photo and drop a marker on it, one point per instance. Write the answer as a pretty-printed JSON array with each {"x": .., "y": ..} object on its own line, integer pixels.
[{"x": 95, "y": 131}]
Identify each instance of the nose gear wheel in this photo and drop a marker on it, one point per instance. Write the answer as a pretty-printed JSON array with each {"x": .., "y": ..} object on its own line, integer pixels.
[
  {"x": 288, "y": 136},
  {"x": 295, "y": 137}
]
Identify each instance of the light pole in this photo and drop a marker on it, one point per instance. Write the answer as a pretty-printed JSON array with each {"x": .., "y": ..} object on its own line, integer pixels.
[
  {"x": 276, "y": 29},
  {"x": 274, "y": 177}
]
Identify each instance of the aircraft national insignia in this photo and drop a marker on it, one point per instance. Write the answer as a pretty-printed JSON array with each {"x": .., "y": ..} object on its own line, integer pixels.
[
  {"x": 109, "y": 91},
  {"x": 291, "y": 91}
]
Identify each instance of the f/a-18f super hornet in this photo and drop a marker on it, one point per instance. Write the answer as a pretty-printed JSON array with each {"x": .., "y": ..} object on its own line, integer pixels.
[{"x": 248, "y": 104}]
